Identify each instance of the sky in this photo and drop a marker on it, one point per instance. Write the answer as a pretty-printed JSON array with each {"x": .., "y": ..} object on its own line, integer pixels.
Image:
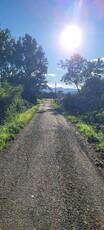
[{"x": 45, "y": 20}]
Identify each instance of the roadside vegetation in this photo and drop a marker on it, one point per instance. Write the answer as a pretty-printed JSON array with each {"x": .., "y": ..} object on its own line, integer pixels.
[
  {"x": 9, "y": 130},
  {"x": 23, "y": 69},
  {"x": 85, "y": 108},
  {"x": 90, "y": 130}
]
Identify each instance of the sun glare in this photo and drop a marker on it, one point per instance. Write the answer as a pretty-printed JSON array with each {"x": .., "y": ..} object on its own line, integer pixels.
[{"x": 71, "y": 37}]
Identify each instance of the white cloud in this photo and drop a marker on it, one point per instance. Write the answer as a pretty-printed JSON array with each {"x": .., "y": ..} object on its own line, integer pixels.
[
  {"x": 96, "y": 59},
  {"x": 93, "y": 60},
  {"x": 61, "y": 85},
  {"x": 59, "y": 69},
  {"x": 50, "y": 75}
]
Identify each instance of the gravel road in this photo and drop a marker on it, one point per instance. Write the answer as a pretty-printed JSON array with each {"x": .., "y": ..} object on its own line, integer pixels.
[{"x": 47, "y": 180}]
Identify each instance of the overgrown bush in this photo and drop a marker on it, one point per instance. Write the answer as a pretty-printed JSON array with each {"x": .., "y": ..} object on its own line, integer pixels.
[
  {"x": 11, "y": 102},
  {"x": 90, "y": 98}
]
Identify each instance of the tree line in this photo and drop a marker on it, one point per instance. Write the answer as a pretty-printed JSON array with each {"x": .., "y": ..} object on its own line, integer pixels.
[
  {"x": 88, "y": 77},
  {"x": 23, "y": 67}
]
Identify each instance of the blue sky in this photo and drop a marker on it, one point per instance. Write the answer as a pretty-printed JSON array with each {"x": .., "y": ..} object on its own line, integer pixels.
[{"x": 44, "y": 20}]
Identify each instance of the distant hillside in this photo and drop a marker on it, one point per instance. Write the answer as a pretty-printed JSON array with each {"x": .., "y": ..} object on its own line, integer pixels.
[{"x": 64, "y": 90}]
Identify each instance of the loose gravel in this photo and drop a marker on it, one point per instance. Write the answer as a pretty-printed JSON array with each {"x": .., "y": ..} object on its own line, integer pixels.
[{"x": 47, "y": 180}]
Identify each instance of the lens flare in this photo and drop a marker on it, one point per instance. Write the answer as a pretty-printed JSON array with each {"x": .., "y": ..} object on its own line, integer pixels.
[{"x": 71, "y": 37}]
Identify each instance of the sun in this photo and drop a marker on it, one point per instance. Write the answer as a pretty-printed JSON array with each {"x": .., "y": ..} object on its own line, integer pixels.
[{"x": 71, "y": 37}]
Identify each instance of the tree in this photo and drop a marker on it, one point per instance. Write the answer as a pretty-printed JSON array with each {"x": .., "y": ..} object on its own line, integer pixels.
[
  {"x": 76, "y": 68},
  {"x": 92, "y": 93},
  {"x": 6, "y": 54},
  {"x": 95, "y": 68},
  {"x": 23, "y": 62},
  {"x": 79, "y": 70},
  {"x": 31, "y": 67}
]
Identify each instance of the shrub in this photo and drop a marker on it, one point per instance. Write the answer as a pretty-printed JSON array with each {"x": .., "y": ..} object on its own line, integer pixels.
[{"x": 88, "y": 131}]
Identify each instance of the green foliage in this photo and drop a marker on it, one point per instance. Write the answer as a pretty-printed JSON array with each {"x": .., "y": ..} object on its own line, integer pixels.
[
  {"x": 87, "y": 107},
  {"x": 96, "y": 119},
  {"x": 90, "y": 99},
  {"x": 30, "y": 67},
  {"x": 23, "y": 62},
  {"x": 10, "y": 129},
  {"x": 88, "y": 131},
  {"x": 11, "y": 101},
  {"x": 72, "y": 103},
  {"x": 89, "y": 128},
  {"x": 76, "y": 67},
  {"x": 100, "y": 147},
  {"x": 95, "y": 67},
  {"x": 99, "y": 117},
  {"x": 56, "y": 104},
  {"x": 92, "y": 135},
  {"x": 73, "y": 119},
  {"x": 79, "y": 70},
  {"x": 6, "y": 55},
  {"x": 23, "y": 68},
  {"x": 92, "y": 94}
]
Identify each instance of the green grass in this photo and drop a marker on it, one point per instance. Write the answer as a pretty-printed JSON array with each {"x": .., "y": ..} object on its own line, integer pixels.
[
  {"x": 92, "y": 137},
  {"x": 89, "y": 131},
  {"x": 9, "y": 130},
  {"x": 73, "y": 119},
  {"x": 56, "y": 106},
  {"x": 100, "y": 146}
]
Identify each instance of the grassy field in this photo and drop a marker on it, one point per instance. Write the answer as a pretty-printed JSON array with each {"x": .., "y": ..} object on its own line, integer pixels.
[{"x": 9, "y": 130}]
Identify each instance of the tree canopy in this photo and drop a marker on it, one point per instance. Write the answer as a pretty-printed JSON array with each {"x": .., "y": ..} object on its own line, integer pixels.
[
  {"x": 79, "y": 70},
  {"x": 23, "y": 62}
]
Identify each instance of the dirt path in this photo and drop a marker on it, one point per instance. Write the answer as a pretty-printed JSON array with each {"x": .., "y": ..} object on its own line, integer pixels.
[{"x": 47, "y": 182}]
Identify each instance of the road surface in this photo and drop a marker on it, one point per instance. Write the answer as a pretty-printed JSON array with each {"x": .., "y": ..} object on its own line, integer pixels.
[{"x": 47, "y": 181}]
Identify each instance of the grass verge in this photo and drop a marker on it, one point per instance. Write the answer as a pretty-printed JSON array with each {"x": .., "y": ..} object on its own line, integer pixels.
[
  {"x": 9, "y": 130},
  {"x": 88, "y": 131}
]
